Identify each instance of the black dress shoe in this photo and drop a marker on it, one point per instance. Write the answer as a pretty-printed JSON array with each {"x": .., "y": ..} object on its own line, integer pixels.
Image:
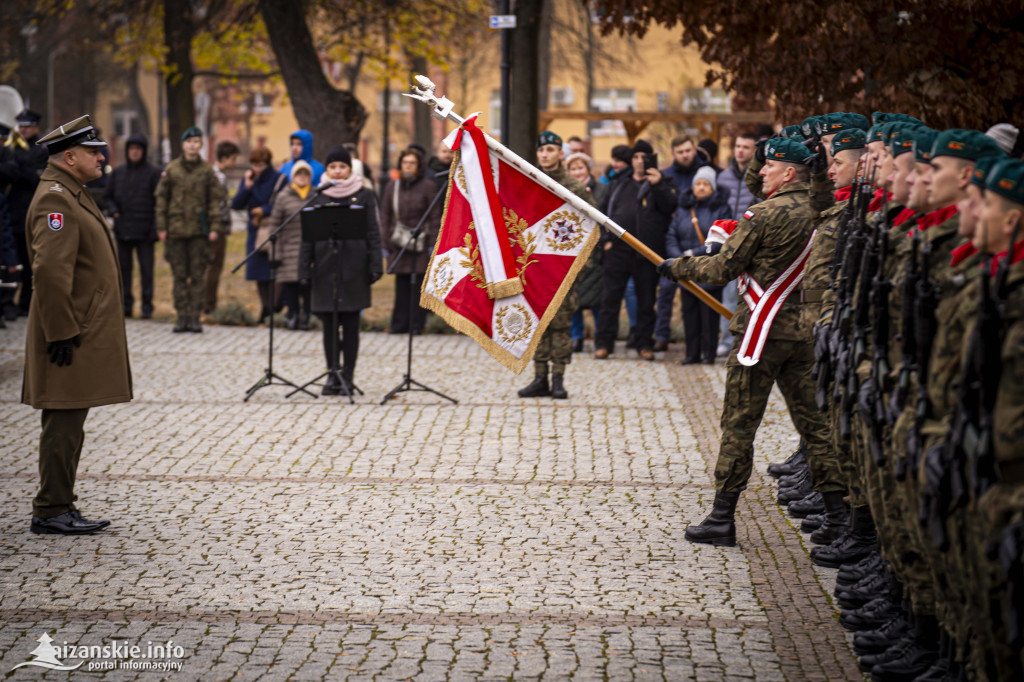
[
  {"x": 78, "y": 515},
  {"x": 660, "y": 345},
  {"x": 147, "y": 313},
  {"x": 690, "y": 361},
  {"x": 127, "y": 313},
  {"x": 577, "y": 346},
  {"x": 66, "y": 524}
]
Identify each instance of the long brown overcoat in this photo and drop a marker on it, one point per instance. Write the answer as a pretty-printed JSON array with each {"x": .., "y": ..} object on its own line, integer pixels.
[
  {"x": 414, "y": 198},
  {"x": 77, "y": 285}
]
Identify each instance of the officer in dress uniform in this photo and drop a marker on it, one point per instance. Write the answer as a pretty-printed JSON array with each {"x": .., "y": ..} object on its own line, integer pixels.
[{"x": 76, "y": 352}]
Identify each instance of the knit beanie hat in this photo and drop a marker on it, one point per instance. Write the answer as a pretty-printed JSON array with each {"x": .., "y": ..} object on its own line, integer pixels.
[
  {"x": 300, "y": 165},
  {"x": 707, "y": 173},
  {"x": 643, "y": 146},
  {"x": 338, "y": 153}
]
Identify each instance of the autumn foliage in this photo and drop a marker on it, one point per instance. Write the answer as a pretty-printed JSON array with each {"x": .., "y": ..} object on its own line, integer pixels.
[{"x": 950, "y": 63}]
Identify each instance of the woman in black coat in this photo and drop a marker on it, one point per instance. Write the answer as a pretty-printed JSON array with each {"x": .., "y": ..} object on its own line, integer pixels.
[{"x": 357, "y": 266}]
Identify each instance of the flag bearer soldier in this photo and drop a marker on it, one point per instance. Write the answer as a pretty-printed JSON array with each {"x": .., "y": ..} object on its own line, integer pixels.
[{"x": 768, "y": 246}]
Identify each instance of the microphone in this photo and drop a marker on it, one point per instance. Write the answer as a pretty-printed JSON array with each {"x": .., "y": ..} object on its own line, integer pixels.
[{"x": 324, "y": 184}]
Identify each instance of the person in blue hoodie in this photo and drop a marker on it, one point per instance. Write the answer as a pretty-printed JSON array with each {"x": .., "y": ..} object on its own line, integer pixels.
[
  {"x": 699, "y": 207},
  {"x": 301, "y": 145}
]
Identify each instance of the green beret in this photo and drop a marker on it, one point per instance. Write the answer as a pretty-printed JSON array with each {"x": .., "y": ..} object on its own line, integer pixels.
[
  {"x": 548, "y": 137},
  {"x": 191, "y": 131},
  {"x": 841, "y": 120},
  {"x": 882, "y": 117},
  {"x": 1007, "y": 180},
  {"x": 982, "y": 169},
  {"x": 924, "y": 138},
  {"x": 790, "y": 132},
  {"x": 788, "y": 151},
  {"x": 901, "y": 138},
  {"x": 848, "y": 138},
  {"x": 964, "y": 144},
  {"x": 807, "y": 126}
]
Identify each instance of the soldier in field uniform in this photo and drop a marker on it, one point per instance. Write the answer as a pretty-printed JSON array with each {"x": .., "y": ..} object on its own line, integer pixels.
[
  {"x": 769, "y": 246},
  {"x": 76, "y": 352}
]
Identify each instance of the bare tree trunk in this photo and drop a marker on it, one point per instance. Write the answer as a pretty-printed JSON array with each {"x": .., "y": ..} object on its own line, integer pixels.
[
  {"x": 178, "y": 34},
  {"x": 524, "y": 88},
  {"x": 544, "y": 55},
  {"x": 423, "y": 130},
  {"x": 333, "y": 116}
]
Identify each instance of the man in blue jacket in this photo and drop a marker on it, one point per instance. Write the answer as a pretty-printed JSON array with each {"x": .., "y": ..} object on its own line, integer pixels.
[{"x": 301, "y": 145}]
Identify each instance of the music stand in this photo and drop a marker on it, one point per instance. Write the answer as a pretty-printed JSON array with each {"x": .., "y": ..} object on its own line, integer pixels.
[
  {"x": 408, "y": 383},
  {"x": 334, "y": 223},
  {"x": 269, "y": 376}
]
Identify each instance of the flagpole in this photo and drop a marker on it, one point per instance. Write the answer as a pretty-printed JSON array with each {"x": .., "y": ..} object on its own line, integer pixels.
[{"x": 441, "y": 108}]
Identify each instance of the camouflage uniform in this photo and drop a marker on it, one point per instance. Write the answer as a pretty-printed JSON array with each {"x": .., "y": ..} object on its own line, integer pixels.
[
  {"x": 188, "y": 208},
  {"x": 556, "y": 344},
  {"x": 993, "y": 656},
  {"x": 764, "y": 245}
]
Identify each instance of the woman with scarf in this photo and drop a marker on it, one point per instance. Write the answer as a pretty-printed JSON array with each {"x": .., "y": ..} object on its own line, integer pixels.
[
  {"x": 358, "y": 266},
  {"x": 254, "y": 196},
  {"x": 405, "y": 202},
  {"x": 289, "y": 241}
]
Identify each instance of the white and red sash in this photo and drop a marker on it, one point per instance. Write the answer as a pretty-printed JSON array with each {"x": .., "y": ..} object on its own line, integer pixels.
[{"x": 765, "y": 304}]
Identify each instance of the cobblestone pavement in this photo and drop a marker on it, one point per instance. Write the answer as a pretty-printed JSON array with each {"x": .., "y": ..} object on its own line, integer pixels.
[{"x": 302, "y": 538}]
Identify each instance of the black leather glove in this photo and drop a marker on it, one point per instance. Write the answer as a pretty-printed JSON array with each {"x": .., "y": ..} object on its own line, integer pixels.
[
  {"x": 759, "y": 150},
  {"x": 665, "y": 268},
  {"x": 818, "y": 161},
  {"x": 61, "y": 351}
]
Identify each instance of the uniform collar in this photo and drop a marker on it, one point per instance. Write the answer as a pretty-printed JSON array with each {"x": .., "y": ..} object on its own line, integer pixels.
[{"x": 66, "y": 179}]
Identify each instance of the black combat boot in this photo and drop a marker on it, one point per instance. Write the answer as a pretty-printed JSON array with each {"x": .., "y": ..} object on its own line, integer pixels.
[
  {"x": 855, "y": 545},
  {"x": 914, "y": 659},
  {"x": 182, "y": 325},
  {"x": 871, "y": 615},
  {"x": 811, "y": 522},
  {"x": 876, "y": 641},
  {"x": 837, "y": 518},
  {"x": 812, "y": 503},
  {"x": 193, "y": 324},
  {"x": 538, "y": 388},
  {"x": 792, "y": 464},
  {"x": 558, "y": 386},
  {"x": 851, "y": 574},
  {"x": 796, "y": 492},
  {"x": 719, "y": 528},
  {"x": 855, "y": 596}
]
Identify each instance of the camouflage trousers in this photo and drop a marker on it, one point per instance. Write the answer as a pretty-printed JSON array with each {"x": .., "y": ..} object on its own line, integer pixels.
[
  {"x": 789, "y": 363},
  {"x": 556, "y": 344},
  {"x": 992, "y": 657},
  {"x": 188, "y": 258}
]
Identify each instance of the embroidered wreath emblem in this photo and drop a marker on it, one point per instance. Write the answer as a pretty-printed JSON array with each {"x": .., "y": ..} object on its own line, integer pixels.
[
  {"x": 443, "y": 276},
  {"x": 563, "y": 231},
  {"x": 513, "y": 323}
]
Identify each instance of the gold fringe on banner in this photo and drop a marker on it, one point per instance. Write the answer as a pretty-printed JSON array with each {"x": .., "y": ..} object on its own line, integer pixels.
[
  {"x": 465, "y": 326},
  {"x": 510, "y": 287}
]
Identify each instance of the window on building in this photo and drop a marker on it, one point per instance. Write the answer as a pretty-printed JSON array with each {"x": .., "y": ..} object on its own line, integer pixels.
[
  {"x": 615, "y": 99},
  {"x": 126, "y": 122},
  {"x": 713, "y": 100},
  {"x": 262, "y": 103},
  {"x": 662, "y": 100}
]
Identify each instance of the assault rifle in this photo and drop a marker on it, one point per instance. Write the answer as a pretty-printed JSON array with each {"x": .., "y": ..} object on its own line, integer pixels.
[
  {"x": 908, "y": 339},
  {"x": 924, "y": 329},
  {"x": 880, "y": 288}
]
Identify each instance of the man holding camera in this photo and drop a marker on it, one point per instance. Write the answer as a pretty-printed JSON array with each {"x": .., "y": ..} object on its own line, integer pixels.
[{"x": 642, "y": 203}]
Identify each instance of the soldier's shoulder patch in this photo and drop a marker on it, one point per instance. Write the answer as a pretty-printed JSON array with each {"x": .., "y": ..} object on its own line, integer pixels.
[
  {"x": 748, "y": 214},
  {"x": 56, "y": 187},
  {"x": 55, "y": 221}
]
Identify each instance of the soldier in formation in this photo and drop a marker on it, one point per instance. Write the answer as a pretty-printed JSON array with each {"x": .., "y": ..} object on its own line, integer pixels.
[{"x": 905, "y": 325}]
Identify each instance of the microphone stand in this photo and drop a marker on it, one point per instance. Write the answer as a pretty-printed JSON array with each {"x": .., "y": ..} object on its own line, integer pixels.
[
  {"x": 268, "y": 378},
  {"x": 408, "y": 383}
]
